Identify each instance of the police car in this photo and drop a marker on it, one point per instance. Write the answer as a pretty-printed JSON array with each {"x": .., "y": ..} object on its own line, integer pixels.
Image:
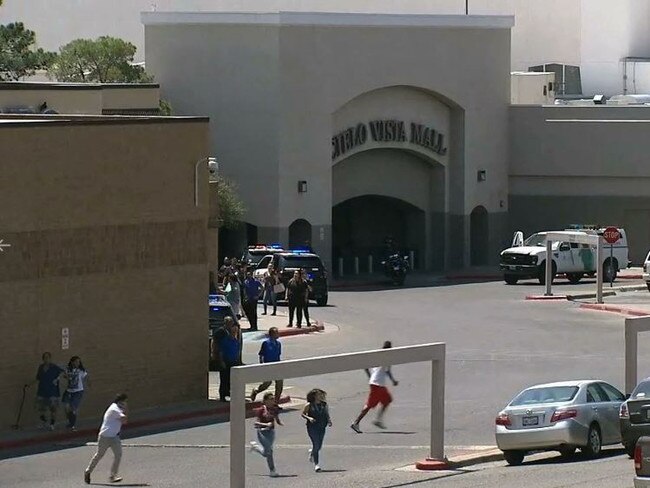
[
  {"x": 219, "y": 308},
  {"x": 286, "y": 262},
  {"x": 527, "y": 258},
  {"x": 254, "y": 254}
]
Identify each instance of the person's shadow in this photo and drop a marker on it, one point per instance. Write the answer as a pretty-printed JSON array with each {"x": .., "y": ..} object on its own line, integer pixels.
[{"x": 120, "y": 484}]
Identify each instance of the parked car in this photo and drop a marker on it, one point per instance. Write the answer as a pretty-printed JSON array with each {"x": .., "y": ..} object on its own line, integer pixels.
[
  {"x": 219, "y": 308},
  {"x": 634, "y": 416},
  {"x": 565, "y": 416},
  {"x": 286, "y": 262},
  {"x": 254, "y": 254},
  {"x": 642, "y": 463}
]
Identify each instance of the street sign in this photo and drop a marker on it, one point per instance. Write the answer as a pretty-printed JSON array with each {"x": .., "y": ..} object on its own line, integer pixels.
[{"x": 611, "y": 235}]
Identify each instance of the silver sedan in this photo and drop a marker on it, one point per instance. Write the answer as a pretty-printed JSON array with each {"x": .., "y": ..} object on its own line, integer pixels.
[{"x": 560, "y": 417}]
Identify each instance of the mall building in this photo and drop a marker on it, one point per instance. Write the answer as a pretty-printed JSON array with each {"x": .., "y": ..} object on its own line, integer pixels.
[{"x": 341, "y": 129}]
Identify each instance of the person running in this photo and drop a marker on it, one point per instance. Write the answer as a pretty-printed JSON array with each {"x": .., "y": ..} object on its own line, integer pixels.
[
  {"x": 48, "y": 394},
  {"x": 296, "y": 291},
  {"x": 379, "y": 394},
  {"x": 109, "y": 437},
  {"x": 77, "y": 376},
  {"x": 318, "y": 419},
  {"x": 270, "y": 352},
  {"x": 267, "y": 417}
]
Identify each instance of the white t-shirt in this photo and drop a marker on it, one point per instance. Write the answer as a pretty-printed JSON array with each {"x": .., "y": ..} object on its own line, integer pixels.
[
  {"x": 378, "y": 375},
  {"x": 76, "y": 379},
  {"x": 112, "y": 423}
]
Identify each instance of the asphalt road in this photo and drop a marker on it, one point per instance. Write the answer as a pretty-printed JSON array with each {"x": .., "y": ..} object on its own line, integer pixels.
[{"x": 497, "y": 344}]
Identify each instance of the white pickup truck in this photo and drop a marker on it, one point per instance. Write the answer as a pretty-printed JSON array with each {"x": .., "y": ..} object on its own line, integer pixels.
[{"x": 527, "y": 259}]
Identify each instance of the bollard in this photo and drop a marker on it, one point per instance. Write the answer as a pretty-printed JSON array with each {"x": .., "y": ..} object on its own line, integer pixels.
[
  {"x": 370, "y": 264},
  {"x": 412, "y": 258},
  {"x": 340, "y": 266},
  {"x": 356, "y": 265}
]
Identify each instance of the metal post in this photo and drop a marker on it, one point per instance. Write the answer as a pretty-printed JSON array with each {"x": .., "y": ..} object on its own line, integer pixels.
[
  {"x": 437, "y": 448},
  {"x": 340, "y": 266},
  {"x": 412, "y": 258},
  {"x": 611, "y": 265},
  {"x": 549, "y": 268},
  {"x": 599, "y": 271},
  {"x": 370, "y": 264},
  {"x": 237, "y": 430},
  {"x": 466, "y": 7},
  {"x": 631, "y": 352},
  {"x": 356, "y": 265}
]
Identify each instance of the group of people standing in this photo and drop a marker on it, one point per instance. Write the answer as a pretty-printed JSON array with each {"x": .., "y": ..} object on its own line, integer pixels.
[
  {"x": 243, "y": 291},
  {"x": 48, "y": 393}
]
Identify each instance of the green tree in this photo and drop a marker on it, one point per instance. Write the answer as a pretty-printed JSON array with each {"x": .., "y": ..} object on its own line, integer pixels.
[
  {"x": 104, "y": 60},
  {"x": 231, "y": 208},
  {"x": 18, "y": 55}
]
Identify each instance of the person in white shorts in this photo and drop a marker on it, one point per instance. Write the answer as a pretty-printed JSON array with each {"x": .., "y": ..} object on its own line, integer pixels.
[{"x": 109, "y": 436}]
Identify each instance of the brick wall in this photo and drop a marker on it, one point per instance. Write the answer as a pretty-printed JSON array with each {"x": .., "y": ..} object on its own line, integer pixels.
[{"x": 106, "y": 241}]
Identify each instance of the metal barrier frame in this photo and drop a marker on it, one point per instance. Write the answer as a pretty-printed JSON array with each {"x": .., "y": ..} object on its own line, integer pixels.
[
  {"x": 633, "y": 325},
  {"x": 298, "y": 368},
  {"x": 593, "y": 240}
]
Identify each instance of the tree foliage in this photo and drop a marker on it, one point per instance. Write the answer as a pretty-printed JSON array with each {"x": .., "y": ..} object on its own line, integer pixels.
[
  {"x": 19, "y": 56},
  {"x": 231, "y": 208},
  {"x": 104, "y": 60}
]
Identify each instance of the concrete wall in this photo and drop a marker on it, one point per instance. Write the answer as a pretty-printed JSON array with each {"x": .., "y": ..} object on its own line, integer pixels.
[
  {"x": 272, "y": 89},
  {"x": 107, "y": 242},
  {"x": 581, "y": 165}
]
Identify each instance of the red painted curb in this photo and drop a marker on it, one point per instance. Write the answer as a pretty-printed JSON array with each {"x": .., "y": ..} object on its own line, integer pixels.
[
  {"x": 293, "y": 331},
  {"x": 630, "y": 277},
  {"x": 432, "y": 464},
  {"x": 83, "y": 433},
  {"x": 543, "y": 298},
  {"x": 613, "y": 309}
]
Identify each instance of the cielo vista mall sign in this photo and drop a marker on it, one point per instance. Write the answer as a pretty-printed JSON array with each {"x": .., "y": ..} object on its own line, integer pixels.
[{"x": 388, "y": 131}]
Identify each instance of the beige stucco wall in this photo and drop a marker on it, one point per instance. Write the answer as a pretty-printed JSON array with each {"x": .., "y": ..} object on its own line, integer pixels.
[
  {"x": 272, "y": 91},
  {"x": 67, "y": 101},
  {"x": 107, "y": 242},
  {"x": 143, "y": 97}
]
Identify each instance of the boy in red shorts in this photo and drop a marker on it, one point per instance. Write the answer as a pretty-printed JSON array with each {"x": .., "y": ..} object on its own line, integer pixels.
[{"x": 379, "y": 394}]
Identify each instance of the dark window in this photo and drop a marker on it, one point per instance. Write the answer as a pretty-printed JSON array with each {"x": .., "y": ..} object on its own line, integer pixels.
[
  {"x": 300, "y": 262},
  {"x": 595, "y": 394},
  {"x": 612, "y": 393},
  {"x": 642, "y": 390}
]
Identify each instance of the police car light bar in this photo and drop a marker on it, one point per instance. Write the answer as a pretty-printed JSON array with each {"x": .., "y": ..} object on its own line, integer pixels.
[{"x": 300, "y": 251}]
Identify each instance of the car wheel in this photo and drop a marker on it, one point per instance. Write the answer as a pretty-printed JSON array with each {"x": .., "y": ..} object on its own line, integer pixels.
[
  {"x": 541, "y": 272},
  {"x": 567, "y": 452},
  {"x": 512, "y": 280},
  {"x": 629, "y": 449},
  {"x": 594, "y": 442},
  {"x": 574, "y": 277},
  {"x": 610, "y": 270},
  {"x": 514, "y": 458},
  {"x": 321, "y": 301}
]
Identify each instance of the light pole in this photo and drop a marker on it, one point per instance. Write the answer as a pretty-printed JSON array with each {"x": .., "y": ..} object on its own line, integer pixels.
[
  {"x": 213, "y": 168},
  {"x": 466, "y": 7}
]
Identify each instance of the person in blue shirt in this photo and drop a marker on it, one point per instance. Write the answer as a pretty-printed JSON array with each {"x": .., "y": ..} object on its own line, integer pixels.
[
  {"x": 47, "y": 395},
  {"x": 252, "y": 292},
  {"x": 226, "y": 352},
  {"x": 270, "y": 352}
]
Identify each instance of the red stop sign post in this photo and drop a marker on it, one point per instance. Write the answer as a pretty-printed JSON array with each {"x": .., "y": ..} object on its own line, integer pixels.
[{"x": 611, "y": 236}]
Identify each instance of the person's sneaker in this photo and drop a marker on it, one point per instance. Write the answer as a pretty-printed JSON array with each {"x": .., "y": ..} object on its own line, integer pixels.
[
  {"x": 255, "y": 447},
  {"x": 115, "y": 479},
  {"x": 253, "y": 395},
  {"x": 263, "y": 313},
  {"x": 379, "y": 424},
  {"x": 87, "y": 477},
  {"x": 355, "y": 427},
  {"x": 311, "y": 457},
  {"x": 317, "y": 468},
  {"x": 274, "y": 474}
]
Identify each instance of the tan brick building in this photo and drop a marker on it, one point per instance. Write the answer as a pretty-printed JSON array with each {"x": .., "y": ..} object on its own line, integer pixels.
[{"x": 106, "y": 242}]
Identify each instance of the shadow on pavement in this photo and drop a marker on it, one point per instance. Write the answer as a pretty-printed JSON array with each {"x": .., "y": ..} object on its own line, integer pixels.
[
  {"x": 576, "y": 458},
  {"x": 120, "y": 484},
  {"x": 449, "y": 474}
]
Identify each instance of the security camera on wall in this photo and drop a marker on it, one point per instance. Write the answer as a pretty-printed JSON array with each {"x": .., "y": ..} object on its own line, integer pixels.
[{"x": 213, "y": 167}]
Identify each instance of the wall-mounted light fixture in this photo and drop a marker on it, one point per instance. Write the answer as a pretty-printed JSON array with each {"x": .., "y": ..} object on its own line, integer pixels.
[
  {"x": 302, "y": 186},
  {"x": 481, "y": 175}
]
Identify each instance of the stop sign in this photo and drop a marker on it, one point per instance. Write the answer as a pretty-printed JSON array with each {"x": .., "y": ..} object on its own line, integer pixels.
[{"x": 611, "y": 235}]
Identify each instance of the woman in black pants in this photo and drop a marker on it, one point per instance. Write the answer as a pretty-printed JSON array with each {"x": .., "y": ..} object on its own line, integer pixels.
[{"x": 296, "y": 290}]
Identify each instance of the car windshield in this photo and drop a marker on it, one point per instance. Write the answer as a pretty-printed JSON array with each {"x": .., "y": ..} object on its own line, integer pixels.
[
  {"x": 301, "y": 262},
  {"x": 536, "y": 240},
  {"x": 642, "y": 390},
  {"x": 551, "y": 394}
]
